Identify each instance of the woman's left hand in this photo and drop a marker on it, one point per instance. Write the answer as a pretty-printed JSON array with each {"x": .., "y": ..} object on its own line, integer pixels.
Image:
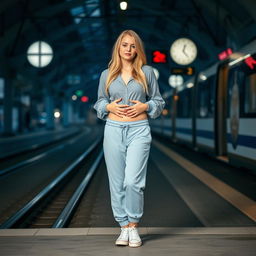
[{"x": 136, "y": 109}]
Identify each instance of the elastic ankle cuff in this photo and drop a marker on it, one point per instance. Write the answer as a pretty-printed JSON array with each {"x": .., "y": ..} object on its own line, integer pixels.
[
  {"x": 133, "y": 220},
  {"x": 124, "y": 223}
]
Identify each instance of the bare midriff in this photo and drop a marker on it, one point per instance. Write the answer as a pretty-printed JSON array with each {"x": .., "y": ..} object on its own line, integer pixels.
[{"x": 114, "y": 117}]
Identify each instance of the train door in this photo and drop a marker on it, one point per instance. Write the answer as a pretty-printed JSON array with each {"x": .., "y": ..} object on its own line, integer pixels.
[
  {"x": 221, "y": 113},
  {"x": 174, "y": 113}
]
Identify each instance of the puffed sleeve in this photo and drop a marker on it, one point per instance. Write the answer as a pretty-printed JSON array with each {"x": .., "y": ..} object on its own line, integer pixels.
[
  {"x": 103, "y": 98},
  {"x": 156, "y": 103}
]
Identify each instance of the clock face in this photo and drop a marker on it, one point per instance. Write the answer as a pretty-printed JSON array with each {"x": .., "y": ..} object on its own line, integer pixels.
[{"x": 183, "y": 51}]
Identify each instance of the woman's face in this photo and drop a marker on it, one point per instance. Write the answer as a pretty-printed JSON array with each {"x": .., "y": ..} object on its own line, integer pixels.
[{"x": 127, "y": 49}]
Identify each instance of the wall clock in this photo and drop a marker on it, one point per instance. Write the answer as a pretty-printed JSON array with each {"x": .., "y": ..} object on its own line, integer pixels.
[{"x": 183, "y": 51}]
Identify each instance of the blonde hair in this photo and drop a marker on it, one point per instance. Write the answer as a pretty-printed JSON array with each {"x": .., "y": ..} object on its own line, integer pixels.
[{"x": 139, "y": 60}]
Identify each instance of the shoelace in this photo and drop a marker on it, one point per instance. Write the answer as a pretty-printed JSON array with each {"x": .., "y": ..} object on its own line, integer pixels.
[
  {"x": 123, "y": 233},
  {"x": 134, "y": 233}
]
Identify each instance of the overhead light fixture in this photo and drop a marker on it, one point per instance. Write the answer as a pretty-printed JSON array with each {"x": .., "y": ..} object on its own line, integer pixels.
[
  {"x": 39, "y": 54},
  {"x": 238, "y": 60},
  {"x": 190, "y": 85},
  {"x": 123, "y": 5},
  {"x": 74, "y": 97},
  {"x": 203, "y": 77},
  {"x": 175, "y": 81},
  {"x": 57, "y": 114}
]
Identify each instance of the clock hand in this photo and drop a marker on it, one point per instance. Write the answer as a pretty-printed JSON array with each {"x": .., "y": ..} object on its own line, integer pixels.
[{"x": 184, "y": 50}]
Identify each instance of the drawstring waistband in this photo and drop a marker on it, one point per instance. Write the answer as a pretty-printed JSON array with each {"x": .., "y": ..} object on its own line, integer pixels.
[
  {"x": 124, "y": 131},
  {"x": 125, "y": 125}
]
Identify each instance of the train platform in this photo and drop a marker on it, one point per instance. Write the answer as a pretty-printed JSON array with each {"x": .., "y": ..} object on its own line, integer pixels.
[
  {"x": 194, "y": 205},
  {"x": 156, "y": 241}
]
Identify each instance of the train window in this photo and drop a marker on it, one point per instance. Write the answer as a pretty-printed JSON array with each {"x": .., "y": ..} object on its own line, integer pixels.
[
  {"x": 248, "y": 101},
  {"x": 244, "y": 77},
  {"x": 250, "y": 94},
  {"x": 205, "y": 98},
  {"x": 184, "y": 104}
]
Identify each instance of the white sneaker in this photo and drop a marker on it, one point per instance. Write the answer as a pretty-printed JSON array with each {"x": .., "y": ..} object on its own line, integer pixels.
[
  {"x": 123, "y": 239},
  {"x": 134, "y": 238}
]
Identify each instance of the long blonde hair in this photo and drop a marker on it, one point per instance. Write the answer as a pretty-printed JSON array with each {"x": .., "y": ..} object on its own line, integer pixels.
[{"x": 115, "y": 63}]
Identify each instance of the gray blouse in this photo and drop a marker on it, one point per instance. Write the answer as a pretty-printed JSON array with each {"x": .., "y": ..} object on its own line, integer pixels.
[{"x": 132, "y": 91}]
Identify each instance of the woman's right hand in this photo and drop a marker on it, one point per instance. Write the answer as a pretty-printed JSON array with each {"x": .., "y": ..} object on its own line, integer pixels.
[{"x": 117, "y": 109}]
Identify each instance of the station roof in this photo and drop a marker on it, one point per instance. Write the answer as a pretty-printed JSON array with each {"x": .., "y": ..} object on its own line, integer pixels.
[{"x": 82, "y": 34}]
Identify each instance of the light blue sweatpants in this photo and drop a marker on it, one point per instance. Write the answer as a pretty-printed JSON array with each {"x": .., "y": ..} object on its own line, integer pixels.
[{"x": 126, "y": 147}]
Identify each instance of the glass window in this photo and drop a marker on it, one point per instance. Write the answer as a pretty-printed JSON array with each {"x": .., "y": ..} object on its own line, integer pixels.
[
  {"x": 205, "y": 97},
  {"x": 184, "y": 104},
  {"x": 250, "y": 94},
  {"x": 244, "y": 76}
]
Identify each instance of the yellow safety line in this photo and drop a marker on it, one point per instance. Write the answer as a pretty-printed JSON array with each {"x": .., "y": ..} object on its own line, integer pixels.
[{"x": 237, "y": 199}]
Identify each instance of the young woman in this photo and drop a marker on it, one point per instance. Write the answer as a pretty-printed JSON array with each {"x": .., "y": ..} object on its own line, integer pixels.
[{"x": 128, "y": 93}]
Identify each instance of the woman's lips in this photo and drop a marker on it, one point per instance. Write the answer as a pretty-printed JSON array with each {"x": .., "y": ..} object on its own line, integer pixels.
[{"x": 128, "y": 54}]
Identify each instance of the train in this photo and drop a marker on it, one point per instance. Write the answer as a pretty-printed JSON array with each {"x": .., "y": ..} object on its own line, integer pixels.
[{"x": 214, "y": 111}]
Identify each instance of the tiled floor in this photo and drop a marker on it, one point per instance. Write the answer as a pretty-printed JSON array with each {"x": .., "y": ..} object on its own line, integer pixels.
[{"x": 156, "y": 241}]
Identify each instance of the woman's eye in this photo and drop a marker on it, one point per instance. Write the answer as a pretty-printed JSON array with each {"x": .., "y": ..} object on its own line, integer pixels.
[{"x": 125, "y": 45}]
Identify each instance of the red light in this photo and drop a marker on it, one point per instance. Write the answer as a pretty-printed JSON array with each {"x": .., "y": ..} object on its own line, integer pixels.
[
  {"x": 84, "y": 99},
  {"x": 229, "y": 51},
  {"x": 223, "y": 55},
  {"x": 250, "y": 62},
  {"x": 159, "y": 57}
]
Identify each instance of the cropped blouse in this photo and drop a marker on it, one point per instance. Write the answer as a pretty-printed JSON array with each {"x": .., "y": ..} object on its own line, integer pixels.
[{"x": 132, "y": 91}]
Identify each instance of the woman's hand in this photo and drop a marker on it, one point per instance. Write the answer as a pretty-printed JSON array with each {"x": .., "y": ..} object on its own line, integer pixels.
[
  {"x": 117, "y": 109},
  {"x": 138, "y": 108}
]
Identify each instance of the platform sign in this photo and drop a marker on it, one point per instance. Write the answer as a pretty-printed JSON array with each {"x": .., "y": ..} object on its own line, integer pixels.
[
  {"x": 183, "y": 71},
  {"x": 159, "y": 56}
]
